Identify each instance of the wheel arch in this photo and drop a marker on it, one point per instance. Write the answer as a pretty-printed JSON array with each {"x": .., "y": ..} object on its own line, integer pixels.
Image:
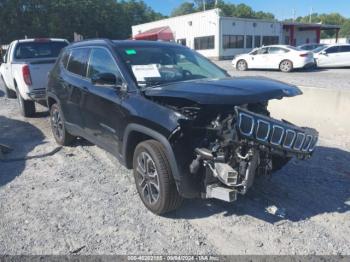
[{"x": 135, "y": 134}]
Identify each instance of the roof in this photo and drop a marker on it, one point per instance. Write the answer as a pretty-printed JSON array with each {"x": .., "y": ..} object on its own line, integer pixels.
[
  {"x": 317, "y": 25},
  {"x": 158, "y": 33}
]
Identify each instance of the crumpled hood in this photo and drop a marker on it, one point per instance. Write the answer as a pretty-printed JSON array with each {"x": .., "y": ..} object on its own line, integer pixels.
[{"x": 232, "y": 91}]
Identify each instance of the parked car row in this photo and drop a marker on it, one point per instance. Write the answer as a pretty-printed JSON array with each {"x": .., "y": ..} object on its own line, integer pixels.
[
  {"x": 287, "y": 58},
  {"x": 185, "y": 127}
]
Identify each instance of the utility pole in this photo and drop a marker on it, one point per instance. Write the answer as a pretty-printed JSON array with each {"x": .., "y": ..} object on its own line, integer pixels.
[
  {"x": 310, "y": 18},
  {"x": 204, "y": 5},
  {"x": 294, "y": 14}
]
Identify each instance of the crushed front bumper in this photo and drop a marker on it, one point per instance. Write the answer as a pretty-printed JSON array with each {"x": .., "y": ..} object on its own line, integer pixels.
[{"x": 277, "y": 135}]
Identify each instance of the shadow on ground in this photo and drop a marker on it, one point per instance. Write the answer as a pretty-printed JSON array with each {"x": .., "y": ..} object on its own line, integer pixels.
[
  {"x": 2, "y": 93},
  {"x": 22, "y": 137},
  {"x": 303, "y": 189}
]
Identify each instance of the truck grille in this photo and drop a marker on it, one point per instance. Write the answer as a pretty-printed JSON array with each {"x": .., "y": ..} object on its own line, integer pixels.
[{"x": 275, "y": 133}]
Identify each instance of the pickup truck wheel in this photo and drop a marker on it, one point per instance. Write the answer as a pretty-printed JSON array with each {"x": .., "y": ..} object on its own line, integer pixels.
[
  {"x": 8, "y": 92},
  {"x": 59, "y": 131},
  {"x": 154, "y": 180},
  {"x": 26, "y": 107}
]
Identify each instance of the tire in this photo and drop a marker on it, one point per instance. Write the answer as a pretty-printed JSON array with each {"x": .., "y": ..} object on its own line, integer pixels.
[
  {"x": 26, "y": 107},
  {"x": 286, "y": 66},
  {"x": 155, "y": 184},
  {"x": 58, "y": 128},
  {"x": 242, "y": 65},
  {"x": 8, "y": 92}
]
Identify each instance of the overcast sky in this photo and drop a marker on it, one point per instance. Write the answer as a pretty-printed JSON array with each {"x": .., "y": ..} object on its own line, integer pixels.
[{"x": 281, "y": 9}]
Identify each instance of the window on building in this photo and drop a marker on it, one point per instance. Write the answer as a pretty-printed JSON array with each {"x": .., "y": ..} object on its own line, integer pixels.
[
  {"x": 205, "y": 42},
  {"x": 181, "y": 41},
  {"x": 233, "y": 41},
  {"x": 248, "y": 41},
  {"x": 78, "y": 61},
  {"x": 257, "y": 41},
  {"x": 270, "y": 40}
]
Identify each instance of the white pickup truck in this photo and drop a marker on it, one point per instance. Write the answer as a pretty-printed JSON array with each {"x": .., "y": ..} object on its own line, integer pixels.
[{"x": 25, "y": 68}]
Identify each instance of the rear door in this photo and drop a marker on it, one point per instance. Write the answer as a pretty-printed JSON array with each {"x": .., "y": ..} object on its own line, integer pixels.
[
  {"x": 101, "y": 109},
  {"x": 344, "y": 55},
  {"x": 73, "y": 86},
  {"x": 275, "y": 57}
]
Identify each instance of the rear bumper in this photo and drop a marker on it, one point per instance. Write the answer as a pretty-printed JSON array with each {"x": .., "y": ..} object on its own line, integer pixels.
[{"x": 37, "y": 94}]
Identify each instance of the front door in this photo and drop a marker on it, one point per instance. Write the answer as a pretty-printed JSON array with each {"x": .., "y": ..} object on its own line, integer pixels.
[
  {"x": 102, "y": 112},
  {"x": 258, "y": 59},
  {"x": 330, "y": 57}
]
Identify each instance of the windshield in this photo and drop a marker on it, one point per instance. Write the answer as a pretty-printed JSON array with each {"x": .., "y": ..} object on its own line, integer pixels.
[
  {"x": 319, "y": 49},
  {"x": 29, "y": 50},
  {"x": 155, "y": 65}
]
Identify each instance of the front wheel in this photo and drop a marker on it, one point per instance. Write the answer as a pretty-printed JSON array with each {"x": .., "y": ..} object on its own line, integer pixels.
[
  {"x": 153, "y": 177},
  {"x": 286, "y": 66},
  {"x": 242, "y": 65},
  {"x": 58, "y": 128}
]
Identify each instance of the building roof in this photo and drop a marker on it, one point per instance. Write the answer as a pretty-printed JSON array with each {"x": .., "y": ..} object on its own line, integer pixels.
[
  {"x": 159, "y": 33},
  {"x": 311, "y": 25}
]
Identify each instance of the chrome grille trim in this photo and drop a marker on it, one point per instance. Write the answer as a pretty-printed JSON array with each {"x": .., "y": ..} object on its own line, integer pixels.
[
  {"x": 313, "y": 144},
  {"x": 288, "y": 131},
  {"x": 240, "y": 124},
  {"x": 306, "y": 147},
  {"x": 264, "y": 139},
  {"x": 302, "y": 141},
  {"x": 273, "y": 132}
]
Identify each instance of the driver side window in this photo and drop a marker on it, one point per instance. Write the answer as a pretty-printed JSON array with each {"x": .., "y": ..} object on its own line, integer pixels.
[{"x": 100, "y": 62}]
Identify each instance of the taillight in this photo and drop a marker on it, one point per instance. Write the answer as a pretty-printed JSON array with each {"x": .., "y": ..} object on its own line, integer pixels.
[
  {"x": 304, "y": 55},
  {"x": 26, "y": 75}
]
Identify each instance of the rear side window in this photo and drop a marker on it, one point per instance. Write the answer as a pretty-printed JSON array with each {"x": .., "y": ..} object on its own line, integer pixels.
[
  {"x": 78, "y": 61},
  {"x": 277, "y": 50},
  {"x": 345, "y": 48},
  {"x": 29, "y": 50}
]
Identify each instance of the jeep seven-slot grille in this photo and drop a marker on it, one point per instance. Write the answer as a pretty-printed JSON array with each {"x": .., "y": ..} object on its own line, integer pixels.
[{"x": 276, "y": 133}]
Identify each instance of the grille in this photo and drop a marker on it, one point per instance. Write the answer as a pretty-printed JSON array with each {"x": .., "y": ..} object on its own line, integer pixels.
[{"x": 276, "y": 133}]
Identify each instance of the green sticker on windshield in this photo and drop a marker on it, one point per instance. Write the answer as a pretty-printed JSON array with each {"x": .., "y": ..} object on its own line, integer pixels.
[{"x": 130, "y": 51}]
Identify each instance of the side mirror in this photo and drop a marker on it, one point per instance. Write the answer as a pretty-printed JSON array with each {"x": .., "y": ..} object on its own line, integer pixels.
[{"x": 323, "y": 53}]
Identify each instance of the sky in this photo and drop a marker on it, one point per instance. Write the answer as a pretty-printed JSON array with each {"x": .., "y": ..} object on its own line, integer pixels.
[{"x": 282, "y": 9}]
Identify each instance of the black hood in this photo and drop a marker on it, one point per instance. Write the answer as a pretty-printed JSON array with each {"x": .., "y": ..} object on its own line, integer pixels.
[{"x": 233, "y": 91}]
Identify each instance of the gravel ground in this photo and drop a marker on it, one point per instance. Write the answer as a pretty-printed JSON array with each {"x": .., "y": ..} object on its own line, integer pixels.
[
  {"x": 80, "y": 200},
  {"x": 322, "y": 78}
]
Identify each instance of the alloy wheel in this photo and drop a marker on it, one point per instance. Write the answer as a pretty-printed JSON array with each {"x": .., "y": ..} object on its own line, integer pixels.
[
  {"x": 147, "y": 178},
  {"x": 57, "y": 124}
]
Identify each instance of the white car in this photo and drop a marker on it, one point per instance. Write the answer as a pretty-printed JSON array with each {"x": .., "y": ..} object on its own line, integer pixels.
[
  {"x": 25, "y": 67},
  {"x": 333, "y": 55},
  {"x": 282, "y": 57}
]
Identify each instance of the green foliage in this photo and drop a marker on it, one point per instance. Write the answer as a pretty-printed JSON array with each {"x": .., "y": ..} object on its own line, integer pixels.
[
  {"x": 61, "y": 18},
  {"x": 227, "y": 9}
]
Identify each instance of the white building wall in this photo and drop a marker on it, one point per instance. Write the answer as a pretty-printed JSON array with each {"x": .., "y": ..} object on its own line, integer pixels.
[
  {"x": 253, "y": 27},
  {"x": 333, "y": 41},
  {"x": 189, "y": 26}
]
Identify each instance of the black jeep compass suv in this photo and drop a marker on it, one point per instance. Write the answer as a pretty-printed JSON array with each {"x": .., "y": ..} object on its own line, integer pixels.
[{"x": 181, "y": 123}]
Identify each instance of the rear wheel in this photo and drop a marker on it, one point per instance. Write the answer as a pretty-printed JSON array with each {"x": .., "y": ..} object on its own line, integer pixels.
[
  {"x": 26, "y": 107},
  {"x": 8, "y": 92},
  {"x": 154, "y": 180},
  {"x": 58, "y": 128},
  {"x": 286, "y": 66},
  {"x": 242, "y": 65}
]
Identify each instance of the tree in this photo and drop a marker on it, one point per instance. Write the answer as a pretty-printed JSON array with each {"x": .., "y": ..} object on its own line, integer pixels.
[
  {"x": 184, "y": 9},
  {"x": 345, "y": 29}
]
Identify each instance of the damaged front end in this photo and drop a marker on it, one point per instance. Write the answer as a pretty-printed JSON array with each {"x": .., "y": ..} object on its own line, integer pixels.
[{"x": 229, "y": 148}]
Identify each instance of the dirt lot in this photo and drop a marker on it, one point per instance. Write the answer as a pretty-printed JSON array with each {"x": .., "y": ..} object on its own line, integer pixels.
[{"x": 80, "y": 200}]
